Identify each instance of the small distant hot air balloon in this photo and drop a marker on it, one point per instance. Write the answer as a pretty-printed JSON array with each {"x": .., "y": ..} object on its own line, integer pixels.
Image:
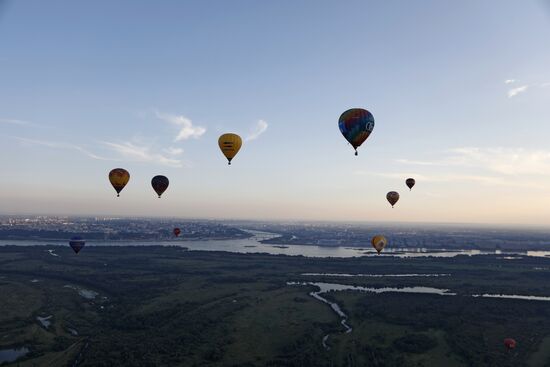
[
  {"x": 177, "y": 232},
  {"x": 230, "y": 144},
  {"x": 410, "y": 183},
  {"x": 77, "y": 243},
  {"x": 392, "y": 197},
  {"x": 356, "y": 125},
  {"x": 509, "y": 343},
  {"x": 119, "y": 177},
  {"x": 379, "y": 242},
  {"x": 160, "y": 184}
]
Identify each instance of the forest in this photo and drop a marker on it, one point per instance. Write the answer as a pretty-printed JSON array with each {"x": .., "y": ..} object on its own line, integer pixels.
[{"x": 165, "y": 306}]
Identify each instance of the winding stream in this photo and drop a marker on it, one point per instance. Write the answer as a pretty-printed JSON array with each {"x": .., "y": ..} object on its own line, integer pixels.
[{"x": 332, "y": 287}]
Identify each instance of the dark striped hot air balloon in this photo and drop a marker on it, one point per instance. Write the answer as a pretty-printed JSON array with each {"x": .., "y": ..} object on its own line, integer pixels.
[
  {"x": 410, "y": 182},
  {"x": 160, "y": 184},
  {"x": 77, "y": 243},
  {"x": 392, "y": 197}
]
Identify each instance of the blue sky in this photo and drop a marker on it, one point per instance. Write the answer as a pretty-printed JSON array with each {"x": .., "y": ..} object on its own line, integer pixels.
[{"x": 460, "y": 92}]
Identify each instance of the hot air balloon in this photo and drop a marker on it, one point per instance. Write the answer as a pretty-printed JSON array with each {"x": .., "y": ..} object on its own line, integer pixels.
[
  {"x": 77, "y": 243},
  {"x": 230, "y": 145},
  {"x": 356, "y": 125},
  {"x": 119, "y": 177},
  {"x": 392, "y": 197},
  {"x": 410, "y": 183},
  {"x": 379, "y": 242},
  {"x": 509, "y": 343},
  {"x": 177, "y": 232},
  {"x": 160, "y": 184}
]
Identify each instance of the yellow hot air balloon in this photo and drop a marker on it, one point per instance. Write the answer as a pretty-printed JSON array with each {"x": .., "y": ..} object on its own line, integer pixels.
[
  {"x": 119, "y": 177},
  {"x": 230, "y": 145},
  {"x": 379, "y": 242}
]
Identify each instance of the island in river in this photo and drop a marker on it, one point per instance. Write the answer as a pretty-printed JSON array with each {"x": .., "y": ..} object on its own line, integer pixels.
[{"x": 165, "y": 306}]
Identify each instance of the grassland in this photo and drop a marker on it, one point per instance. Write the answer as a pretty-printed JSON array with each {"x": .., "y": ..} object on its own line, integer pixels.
[{"x": 163, "y": 306}]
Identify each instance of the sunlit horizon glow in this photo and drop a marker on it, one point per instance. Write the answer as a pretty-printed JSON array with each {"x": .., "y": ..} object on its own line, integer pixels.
[{"x": 459, "y": 91}]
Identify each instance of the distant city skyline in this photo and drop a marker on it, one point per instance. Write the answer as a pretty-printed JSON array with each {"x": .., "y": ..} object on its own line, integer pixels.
[{"x": 460, "y": 92}]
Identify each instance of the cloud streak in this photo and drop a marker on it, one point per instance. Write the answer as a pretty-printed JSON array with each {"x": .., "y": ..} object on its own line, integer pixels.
[
  {"x": 257, "y": 130},
  {"x": 515, "y": 91},
  {"x": 504, "y": 161},
  {"x": 137, "y": 153},
  {"x": 14, "y": 122},
  {"x": 59, "y": 145},
  {"x": 186, "y": 128},
  {"x": 125, "y": 151},
  {"x": 487, "y": 180}
]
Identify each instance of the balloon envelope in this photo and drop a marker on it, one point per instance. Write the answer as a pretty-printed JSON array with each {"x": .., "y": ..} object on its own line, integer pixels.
[
  {"x": 356, "y": 125},
  {"x": 392, "y": 197},
  {"x": 410, "y": 183},
  {"x": 379, "y": 242},
  {"x": 119, "y": 177},
  {"x": 177, "y": 232},
  {"x": 77, "y": 243},
  {"x": 230, "y": 144},
  {"x": 160, "y": 184},
  {"x": 509, "y": 343}
]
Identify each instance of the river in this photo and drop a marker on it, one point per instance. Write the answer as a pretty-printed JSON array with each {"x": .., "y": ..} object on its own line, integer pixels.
[
  {"x": 253, "y": 245},
  {"x": 335, "y": 287},
  {"x": 10, "y": 355}
]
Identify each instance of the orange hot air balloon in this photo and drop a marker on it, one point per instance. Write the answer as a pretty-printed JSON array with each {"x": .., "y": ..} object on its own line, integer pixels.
[
  {"x": 119, "y": 177},
  {"x": 230, "y": 144},
  {"x": 410, "y": 183},
  {"x": 177, "y": 232},
  {"x": 509, "y": 343},
  {"x": 379, "y": 242},
  {"x": 392, "y": 197}
]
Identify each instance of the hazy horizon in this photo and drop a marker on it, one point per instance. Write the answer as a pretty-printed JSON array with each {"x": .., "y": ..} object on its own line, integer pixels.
[{"x": 459, "y": 92}]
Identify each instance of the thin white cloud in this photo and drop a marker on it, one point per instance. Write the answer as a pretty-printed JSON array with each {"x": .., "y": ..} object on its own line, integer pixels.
[
  {"x": 515, "y": 91},
  {"x": 59, "y": 145},
  {"x": 544, "y": 85},
  {"x": 257, "y": 130},
  {"x": 173, "y": 151},
  {"x": 509, "y": 81},
  {"x": 141, "y": 154},
  {"x": 14, "y": 122},
  {"x": 418, "y": 163},
  {"x": 505, "y": 161},
  {"x": 186, "y": 128},
  {"x": 488, "y": 180},
  {"x": 126, "y": 151}
]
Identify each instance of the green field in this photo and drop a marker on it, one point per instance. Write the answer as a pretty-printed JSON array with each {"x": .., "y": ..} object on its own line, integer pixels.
[{"x": 163, "y": 306}]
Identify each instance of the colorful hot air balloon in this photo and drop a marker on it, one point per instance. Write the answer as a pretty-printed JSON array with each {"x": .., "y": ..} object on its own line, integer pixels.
[
  {"x": 410, "y": 183},
  {"x": 509, "y": 343},
  {"x": 160, "y": 184},
  {"x": 230, "y": 145},
  {"x": 77, "y": 243},
  {"x": 356, "y": 125},
  {"x": 177, "y": 232},
  {"x": 119, "y": 177},
  {"x": 379, "y": 242},
  {"x": 392, "y": 197}
]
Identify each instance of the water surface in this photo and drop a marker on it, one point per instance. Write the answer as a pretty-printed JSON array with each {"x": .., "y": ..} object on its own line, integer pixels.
[{"x": 10, "y": 355}]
